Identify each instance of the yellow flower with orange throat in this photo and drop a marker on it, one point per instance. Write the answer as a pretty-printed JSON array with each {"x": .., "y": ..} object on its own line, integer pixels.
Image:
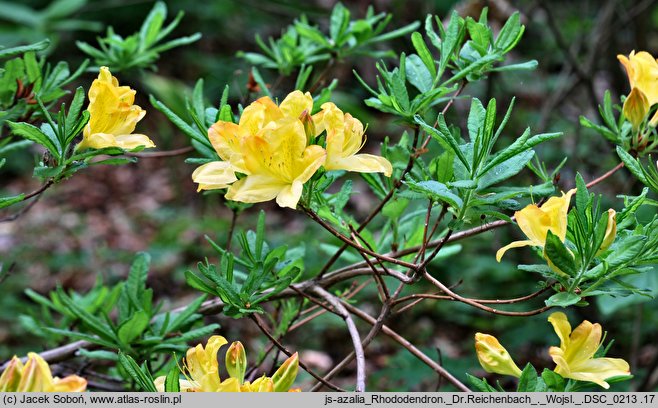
[
  {"x": 201, "y": 369},
  {"x": 113, "y": 116},
  {"x": 273, "y": 148},
  {"x": 35, "y": 376}
]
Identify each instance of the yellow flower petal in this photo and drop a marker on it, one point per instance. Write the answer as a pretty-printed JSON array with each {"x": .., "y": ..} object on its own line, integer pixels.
[
  {"x": 72, "y": 383},
  {"x": 201, "y": 363},
  {"x": 515, "y": 244},
  {"x": 214, "y": 175},
  {"x": 228, "y": 385},
  {"x": 562, "y": 327},
  {"x": 295, "y": 103},
  {"x": 226, "y": 138},
  {"x": 642, "y": 71},
  {"x": 255, "y": 189}
]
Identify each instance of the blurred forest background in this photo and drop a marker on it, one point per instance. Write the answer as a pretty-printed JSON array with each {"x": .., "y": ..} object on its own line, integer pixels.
[{"x": 90, "y": 227}]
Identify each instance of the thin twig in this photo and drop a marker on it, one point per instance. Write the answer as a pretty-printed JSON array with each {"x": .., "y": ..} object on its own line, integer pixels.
[
  {"x": 605, "y": 175},
  {"x": 349, "y": 242},
  {"x": 37, "y": 193},
  {"x": 281, "y": 347},
  {"x": 354, "y": 334},
  {"x": 164, "y": 153},
  {"x": 477, "y": 305},
  {"x": 407, "y": 345}
]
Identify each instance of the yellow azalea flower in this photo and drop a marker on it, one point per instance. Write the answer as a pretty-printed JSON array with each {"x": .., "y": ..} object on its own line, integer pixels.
[
  {"x": 535, "y": 222},
  {"x": 201, "y": 369},
  {"x": 575, "y": 356},
  {"x": 269, "y": 145},
  {"x": 344, "y": 140},
  {"x": 35, "y": 376},
  {"x": 493, "y": 357},
  {"x": 113, "y": 116},
  {"x": 278, "y": 164}
]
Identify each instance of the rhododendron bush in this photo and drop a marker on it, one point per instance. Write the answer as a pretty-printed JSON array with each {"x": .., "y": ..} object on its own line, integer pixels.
[{"x": 356, "y": 201}]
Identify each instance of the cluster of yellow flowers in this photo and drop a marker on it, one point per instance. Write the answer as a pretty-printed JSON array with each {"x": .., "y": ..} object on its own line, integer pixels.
[
  {"x": 201, "y": 368},
  {"x": 574, "y": 358},
  {"x": 35, "y": 376},
  {"x": 535, "y": 222},
  {"x": 112, "y": 116},
  {"x": 274, "y": 146}
]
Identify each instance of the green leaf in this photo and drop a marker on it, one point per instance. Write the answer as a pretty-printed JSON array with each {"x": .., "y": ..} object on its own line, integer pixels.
[
  {"x": 172, "y": 382},
  {"x": 582, "y": 196},
  {"x": 436, "y": 191},
  {"x": 442, "y": 167},
  {"x": 510, "y": 34},
  {"x": 631, "y": 164},
  {"x": 38, "y": 46},
  {"x": 417, "y": 74},
  {"x": 444, "y": 137},
  {"x": 424, "y": 53},
  {"x": 626, "y": 251},
  {"x": 505, "y": 170},
  {"x": 523, "y": 143},
  {"x": 559, "y": 254},
  {"x": 142, "y": 378},
  {"x": 528, "y": 379},
  {"x": 480, "y": 385},
  {"x": 7, "y": 201},
  {"x": 151, "y": 26},
  {"x": 521, "y": 66},
  {"x": 562, "y": 299},
  {"x": 553, "y": 380},
  {"x": 338, "y": 22},
  {"x": 31, "y": 132},
  {"x": 133, "y": 327}
]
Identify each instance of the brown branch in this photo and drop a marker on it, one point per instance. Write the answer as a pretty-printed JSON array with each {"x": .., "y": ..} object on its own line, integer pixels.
[
  {"x": 164, "y": 153},
  {"x": 605, "y": 175},
  {"x": 36, "y": 193},
  {"x": 478, "y": 305},
  {"x": 349, "y": 242},
  {"x": 410, "y": 347},
  {"x": 340, "y": 310},
  {"x": 254, "y": 317}
]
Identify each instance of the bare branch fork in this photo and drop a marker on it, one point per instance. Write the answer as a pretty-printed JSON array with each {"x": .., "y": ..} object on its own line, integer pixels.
[{"x": 340, "y": 310}]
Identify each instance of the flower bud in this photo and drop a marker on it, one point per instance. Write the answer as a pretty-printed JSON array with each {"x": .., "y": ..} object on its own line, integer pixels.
[
  {"x": 36, "y": 376},
  {"x": 493, "y": 357},
  {"x": 11, "y": 376},
  {"x": 263, "y": 384},
  {"x": 610, "y": 231},
  {"x": 309, "y": 127},
  {"x": 286, "y": 374},
  {"x": 236, "y": 361},
  {"x": 636, "y": 107}
]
